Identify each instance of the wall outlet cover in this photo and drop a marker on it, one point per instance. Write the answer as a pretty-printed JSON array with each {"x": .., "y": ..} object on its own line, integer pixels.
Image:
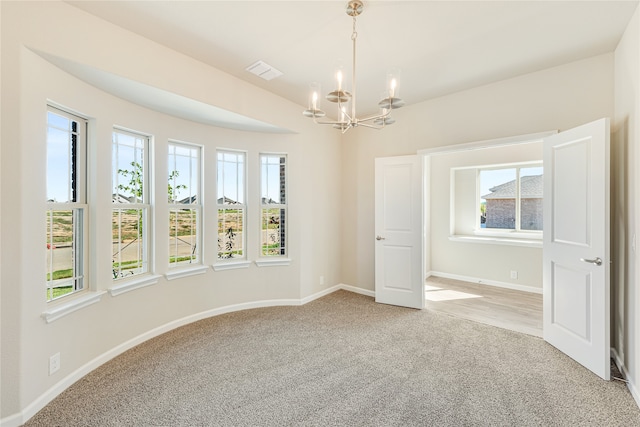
[{"x": 54, "y": 363}]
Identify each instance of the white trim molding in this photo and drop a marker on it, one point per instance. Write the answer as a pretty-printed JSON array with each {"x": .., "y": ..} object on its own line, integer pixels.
[
  {"x": 357, "y": 290},
  {"x": 179, "y": 273},
  {"x": 489, "y": 143},
  {"x": 272, "y": 262},
  {"x": 495, "y": 240},
  {"x": 58, "y": 311},
  {"x": 633, "y": 388},
  {"x": 514, "y": 286},
  {"x": 133, "y": 284},
  {"x": 231, "y": 265}
]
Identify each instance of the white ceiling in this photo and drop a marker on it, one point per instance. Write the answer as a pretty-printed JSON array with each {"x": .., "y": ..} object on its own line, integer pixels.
[{"x": 440, "y": 46}]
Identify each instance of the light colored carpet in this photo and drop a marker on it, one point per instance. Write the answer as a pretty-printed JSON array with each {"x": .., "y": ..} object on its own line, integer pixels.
[{"x": 342, "y": 360}]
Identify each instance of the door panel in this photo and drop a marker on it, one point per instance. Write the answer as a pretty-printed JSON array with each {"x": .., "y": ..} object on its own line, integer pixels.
[
  {"x": 571, "y": 288},
  {"x": 571, "y": 190},
  {"x": 398, "y": 236},
  {"x": 576, "y": 245}
]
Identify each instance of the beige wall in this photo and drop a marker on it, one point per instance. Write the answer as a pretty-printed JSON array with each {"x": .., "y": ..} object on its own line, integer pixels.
[
  {"x": 101, "y": 330},
  {"x": 554, "y": 99},
  {"x": 625, "y": 215}
]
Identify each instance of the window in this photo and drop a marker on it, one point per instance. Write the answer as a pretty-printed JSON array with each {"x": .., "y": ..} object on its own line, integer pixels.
[
  {"x": 273, "y": 205},
  {"x": 231, "y": 205},
  {"x": 66, "y": 204},
  {"x": 130, "y": 215},
  {"x": 511, "y": 198},
  {"x": 185, "y": 209}
]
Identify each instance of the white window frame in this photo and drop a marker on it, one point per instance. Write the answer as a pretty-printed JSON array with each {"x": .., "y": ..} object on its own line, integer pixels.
[
  {"x": 516, "y": 232},
  {"x": 194, "y": 205},
  {"x": 79, "y": 207},
  {"x": 281, "y": 258},
  {"x": 240, "y": 261},
  {"x": 144, "y": 205}
]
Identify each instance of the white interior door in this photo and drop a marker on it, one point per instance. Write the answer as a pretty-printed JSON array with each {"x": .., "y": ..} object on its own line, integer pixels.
[
  {"x": 576, "y": 244},
  {"x": 398, "y": 238}
]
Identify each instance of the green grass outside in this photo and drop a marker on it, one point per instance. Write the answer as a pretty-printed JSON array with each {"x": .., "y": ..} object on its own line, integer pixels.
[
  {"x": 58, "y": 292},
  {"x": 61, "y": 274}
]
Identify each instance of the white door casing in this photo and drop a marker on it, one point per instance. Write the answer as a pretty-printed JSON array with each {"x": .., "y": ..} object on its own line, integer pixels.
[
  {"x": 576, "y": 245},
  {"x": 398, "y": 236}
]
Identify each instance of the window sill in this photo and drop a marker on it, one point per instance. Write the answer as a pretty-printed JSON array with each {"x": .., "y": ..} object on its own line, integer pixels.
[
  {"x": 266, "y": 262},
  {"x": 493, "y": 240},
  {"x": 186, "y": 272},
  {"x": 231, "y": 265},
  {"x": 62, "y": 310},
  {"x": 133, "y": 284}
]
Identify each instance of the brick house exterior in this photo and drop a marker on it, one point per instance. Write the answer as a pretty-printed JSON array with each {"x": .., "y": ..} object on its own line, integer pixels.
[{"x": 501, "y": 204}]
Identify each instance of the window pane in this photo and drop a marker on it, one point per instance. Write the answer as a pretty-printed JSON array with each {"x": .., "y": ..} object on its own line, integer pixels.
[
  {"x": 62, "y": 171},
  {"x": 230, "y": 230},
  {"x": 129, "y": 252},
  {"x": 65, "y": 175},
  {"x": 64, "y": 252},
  {"x": 272, "y": 233},
  {"x": 498, "y": 190},
  {"x": 230, "y": 178},
  {"x": 128, "y": 173},
  {"x": 183, "y": 173},
  {"x": 130, "y": 225},
  {"x": 183, "y": 236},
  {"x": 273, "y": 184},
  {"x": 531, "y": 189},
  {"x": 183, "y": 196}
]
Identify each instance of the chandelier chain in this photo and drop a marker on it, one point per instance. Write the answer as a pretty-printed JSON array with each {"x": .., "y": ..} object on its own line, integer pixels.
[{"x": 354, "y": 34}]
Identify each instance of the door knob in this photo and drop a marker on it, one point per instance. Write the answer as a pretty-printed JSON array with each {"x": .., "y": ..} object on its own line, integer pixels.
[
  {"x": 596, "y": 261},
  {"x": 379, "y": 238}
]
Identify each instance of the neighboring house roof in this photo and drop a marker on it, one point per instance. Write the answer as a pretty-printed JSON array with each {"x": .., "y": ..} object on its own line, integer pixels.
[
  {"x": 530, "y": 188},
  {"x": 226, "y": 201},
  {"x": 188, "y": 200},
  {"x": 119, "y": 198}
]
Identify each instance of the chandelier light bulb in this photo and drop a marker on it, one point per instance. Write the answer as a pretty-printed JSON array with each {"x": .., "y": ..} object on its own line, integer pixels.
[{"x": 392, "y": 91}]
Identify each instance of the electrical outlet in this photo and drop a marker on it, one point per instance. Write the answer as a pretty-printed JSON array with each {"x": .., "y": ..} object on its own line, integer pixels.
[
  {"x": 514, "y": 274},
  {"x": 322, "y": 280},
  {"x": 54, "y": 363}
]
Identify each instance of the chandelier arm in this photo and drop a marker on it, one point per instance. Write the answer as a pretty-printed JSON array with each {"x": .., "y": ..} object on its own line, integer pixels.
[
  {"x": 351, "y": 119},
  {"x": 370, "y": 126},
  {"x": 327, "y": 123},
  {"x": 374, "y": 117}
]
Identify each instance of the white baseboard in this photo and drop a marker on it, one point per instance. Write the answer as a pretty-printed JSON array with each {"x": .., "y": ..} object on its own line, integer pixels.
[
  {"x": 30, "y": 410},
  {"x": 633, "y": 389},
  {"x": 480, "y": 281},
  {"x": 357, "y": 290}
]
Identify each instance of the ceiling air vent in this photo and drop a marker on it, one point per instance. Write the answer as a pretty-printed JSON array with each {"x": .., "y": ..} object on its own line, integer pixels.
[{"x": 263, "y": 70}]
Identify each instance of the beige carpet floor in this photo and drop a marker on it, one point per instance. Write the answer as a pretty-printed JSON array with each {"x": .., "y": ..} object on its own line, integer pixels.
[{"x": 342, "y": 360}]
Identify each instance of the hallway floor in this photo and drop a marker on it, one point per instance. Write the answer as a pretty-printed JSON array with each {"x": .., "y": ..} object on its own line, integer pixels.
[{"x": 505, "y": 308}]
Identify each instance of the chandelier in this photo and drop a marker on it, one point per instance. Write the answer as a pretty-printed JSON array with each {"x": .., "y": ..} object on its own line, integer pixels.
[{"x": 342, "y": 98}]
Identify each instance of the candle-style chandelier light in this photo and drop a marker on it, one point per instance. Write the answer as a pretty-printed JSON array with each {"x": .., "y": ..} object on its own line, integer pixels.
[{"x": 341, "y": 97}]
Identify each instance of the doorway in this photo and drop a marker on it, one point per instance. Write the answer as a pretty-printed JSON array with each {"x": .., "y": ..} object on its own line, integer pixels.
[{"x": 493, "y": 279}]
